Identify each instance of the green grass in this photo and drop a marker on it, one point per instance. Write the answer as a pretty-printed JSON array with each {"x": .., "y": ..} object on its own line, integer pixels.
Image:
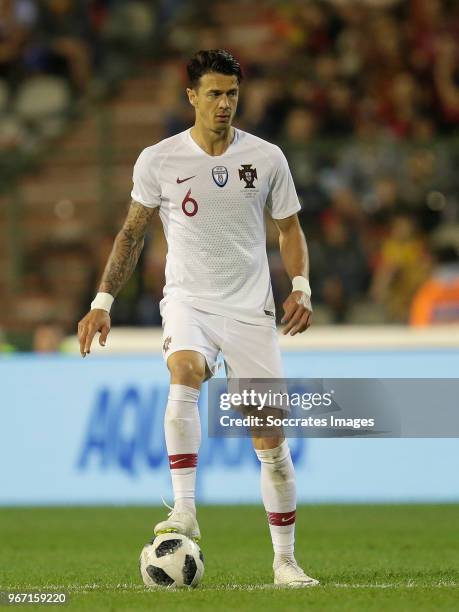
[{"x": 366, "y": 557}]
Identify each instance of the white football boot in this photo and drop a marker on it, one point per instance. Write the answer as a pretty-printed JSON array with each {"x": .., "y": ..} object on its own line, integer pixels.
[
  {"x": 290, "y": 574},
  {"x": 183, "y": 522}
]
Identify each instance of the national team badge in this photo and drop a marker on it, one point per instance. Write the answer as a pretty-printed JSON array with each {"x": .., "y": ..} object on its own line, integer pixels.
[
  {"x": 220, "y": 175},
  {"x": 248, "y": 175}
]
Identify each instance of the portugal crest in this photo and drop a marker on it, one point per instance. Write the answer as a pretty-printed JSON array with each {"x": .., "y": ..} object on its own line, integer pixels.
[
  {"x": 220, "y": 175},
  {"x": 248, "y": 175}
]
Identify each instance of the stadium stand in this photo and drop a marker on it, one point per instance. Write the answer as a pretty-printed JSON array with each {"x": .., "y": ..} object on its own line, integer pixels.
[{"x": 362, "y": 97}]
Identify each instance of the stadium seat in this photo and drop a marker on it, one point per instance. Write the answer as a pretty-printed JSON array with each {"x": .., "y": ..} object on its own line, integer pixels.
[
  {"x": 366, "y": 313},
  {"x": 4, "y": 96},
  {"x": 322, "y": 315},
  {"x": 130, "y": 23},
  {"x": 42, "y": 97},
  {"x": 12, "y": 133}
]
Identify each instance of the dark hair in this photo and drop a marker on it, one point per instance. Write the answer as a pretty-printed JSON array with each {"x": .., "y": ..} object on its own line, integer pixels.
[{"x": 213, "y": 60}]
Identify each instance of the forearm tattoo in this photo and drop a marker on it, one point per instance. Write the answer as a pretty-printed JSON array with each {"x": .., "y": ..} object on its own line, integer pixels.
[{"x": 126, "y": 249}]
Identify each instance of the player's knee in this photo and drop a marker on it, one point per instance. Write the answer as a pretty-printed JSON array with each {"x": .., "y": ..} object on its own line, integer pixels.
[
  {"x": 265, "y": 442},
  {"x": 190, "y": 372}
]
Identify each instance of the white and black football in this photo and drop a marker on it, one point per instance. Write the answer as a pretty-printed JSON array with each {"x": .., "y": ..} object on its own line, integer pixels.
[{"x": 171, "y": 560}]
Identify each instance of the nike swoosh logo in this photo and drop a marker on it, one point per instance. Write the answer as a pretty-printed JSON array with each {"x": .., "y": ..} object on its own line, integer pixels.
[
  {"x": 178, "y": 460},
  {"x": 288, "y": 518},
  {"x": 186, "y": 179}
]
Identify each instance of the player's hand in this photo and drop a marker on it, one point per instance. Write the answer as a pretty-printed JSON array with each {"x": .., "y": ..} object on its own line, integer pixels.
[
  {"x": 96, "y": 320},
  {"x": 297, "y": 313}
]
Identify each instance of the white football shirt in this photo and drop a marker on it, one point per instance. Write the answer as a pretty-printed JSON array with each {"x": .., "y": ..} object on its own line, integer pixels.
[{"x": 212, "y": 210}]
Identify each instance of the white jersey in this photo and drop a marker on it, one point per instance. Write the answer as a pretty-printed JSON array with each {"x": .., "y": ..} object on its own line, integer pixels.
[{"x": 212, "y": 210}]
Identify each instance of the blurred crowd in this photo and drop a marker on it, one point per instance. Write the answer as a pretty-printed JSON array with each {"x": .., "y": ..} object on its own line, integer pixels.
[
  {"x": 57, "y": 37},
  {"x": 362, "y": 96},
  {"x": 56, "y": 55},
  {"x": 71, "y": 39}
]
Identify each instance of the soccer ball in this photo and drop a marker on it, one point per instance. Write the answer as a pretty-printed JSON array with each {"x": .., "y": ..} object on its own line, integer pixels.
[{"x": 171, "y": 560}]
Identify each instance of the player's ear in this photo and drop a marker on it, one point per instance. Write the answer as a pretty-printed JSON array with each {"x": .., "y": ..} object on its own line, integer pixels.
[{"x": 192, "y": 97}]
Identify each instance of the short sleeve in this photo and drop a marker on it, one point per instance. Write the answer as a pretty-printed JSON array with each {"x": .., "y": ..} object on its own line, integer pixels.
[
  {"x": 146, "y": 189},
  {"x": 282, "y": 199}
]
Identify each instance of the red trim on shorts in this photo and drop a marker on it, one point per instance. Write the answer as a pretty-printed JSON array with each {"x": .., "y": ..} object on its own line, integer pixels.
[
  {"x": 184, "y": 460},
  {"x": 281, "y": 518}
]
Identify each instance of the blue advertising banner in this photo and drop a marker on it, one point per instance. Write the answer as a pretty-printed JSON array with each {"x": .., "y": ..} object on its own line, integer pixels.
[{"x": 79, "y": 431}]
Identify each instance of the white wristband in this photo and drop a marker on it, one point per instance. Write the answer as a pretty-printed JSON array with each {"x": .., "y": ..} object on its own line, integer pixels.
[
  {"x": 300, "y": 283},
  {"x": 102, "y": 301}
]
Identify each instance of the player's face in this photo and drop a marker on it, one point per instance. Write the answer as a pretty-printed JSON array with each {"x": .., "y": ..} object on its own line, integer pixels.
[{"x": 215, "y": 100}]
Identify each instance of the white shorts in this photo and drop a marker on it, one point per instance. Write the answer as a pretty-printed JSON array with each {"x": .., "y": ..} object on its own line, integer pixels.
[{"x": 249, "y": 351}]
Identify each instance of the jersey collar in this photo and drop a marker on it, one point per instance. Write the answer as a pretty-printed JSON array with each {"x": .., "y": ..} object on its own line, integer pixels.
[{"x": 195, "y": 145}]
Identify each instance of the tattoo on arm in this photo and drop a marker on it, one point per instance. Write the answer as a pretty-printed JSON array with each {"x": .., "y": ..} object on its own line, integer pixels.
[{"x": 126, "y": 248}]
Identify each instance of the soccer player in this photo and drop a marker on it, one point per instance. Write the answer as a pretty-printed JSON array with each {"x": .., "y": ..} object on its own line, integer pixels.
[{"x": 210, "y": 185}]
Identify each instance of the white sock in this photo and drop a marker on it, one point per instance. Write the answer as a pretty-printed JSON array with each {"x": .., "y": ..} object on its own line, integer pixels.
[
  {"x": 182, "y": 429},
  {"x": 278, "y": 490}
]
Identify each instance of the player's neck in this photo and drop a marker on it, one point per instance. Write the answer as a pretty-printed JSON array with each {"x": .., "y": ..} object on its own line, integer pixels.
[{"x": 213, "y": 143}]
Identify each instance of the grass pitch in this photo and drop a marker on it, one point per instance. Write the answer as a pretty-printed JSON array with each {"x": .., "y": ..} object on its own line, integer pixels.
[{"x": 366, "y": 557}]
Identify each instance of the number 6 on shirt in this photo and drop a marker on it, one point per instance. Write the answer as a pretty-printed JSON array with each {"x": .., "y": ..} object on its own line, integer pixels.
[{"x": 192, "y": 201}]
